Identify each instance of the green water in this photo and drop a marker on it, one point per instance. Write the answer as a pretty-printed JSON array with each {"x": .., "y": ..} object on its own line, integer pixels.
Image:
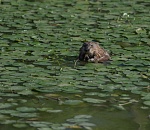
[{"x": 43, "y": 87}]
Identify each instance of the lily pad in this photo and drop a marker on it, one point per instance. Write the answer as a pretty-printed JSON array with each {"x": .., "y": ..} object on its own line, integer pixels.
[
  {"x": 7, "y": 105},
  {"x": 26, "y": 109},
  {"x": 73, "y": 102},
  {"x": 146, "y": 103},
  {"x": 93, "y": 100},
  {"x": 24, "y": 115},
  {"x": 54, "y": 111}
]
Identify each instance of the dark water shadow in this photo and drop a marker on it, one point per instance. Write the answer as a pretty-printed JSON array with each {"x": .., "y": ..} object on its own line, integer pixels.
[{"x": 73, "y": 61}]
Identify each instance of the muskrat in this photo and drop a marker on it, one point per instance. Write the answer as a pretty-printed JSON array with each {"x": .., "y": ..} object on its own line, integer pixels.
[{"x": 92, "y": 52}]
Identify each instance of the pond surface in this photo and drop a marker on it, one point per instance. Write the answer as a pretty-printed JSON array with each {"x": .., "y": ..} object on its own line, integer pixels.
[{"x": 44, "y": 88}]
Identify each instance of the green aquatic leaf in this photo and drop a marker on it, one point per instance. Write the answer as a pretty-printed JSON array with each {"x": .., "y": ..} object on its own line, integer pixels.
[
  {"x": 24, "y": 115},
  {"x": 6, "y": 122},
  {"x": 146, "y": 103},
  {"x": 86, "y": 124},
  {"x": 40, "y": 124},
  {"x": 146, "y": 96},
  {"x": 54, "y": 111},
  {"x": 92, "y": 93},
  {"x": 25, "y": 92},
  {"x": 77, "y": 120},
  {"x": 140, "y": 31},
  {"x": 26, "y": 109},
  {"x": 119, "y": 107},
  {"x": 83, "y": 116},
  {"x": 93, "y": 100},
  {"x": 73, "y": 102},
  {"x": 7, "y": 111},
  {"x": 7, "y": 105},
  {"x": 39, "y": 47}
]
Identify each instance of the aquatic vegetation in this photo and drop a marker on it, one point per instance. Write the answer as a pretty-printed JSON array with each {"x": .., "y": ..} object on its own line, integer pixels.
[{"x": 42, "y": 85}]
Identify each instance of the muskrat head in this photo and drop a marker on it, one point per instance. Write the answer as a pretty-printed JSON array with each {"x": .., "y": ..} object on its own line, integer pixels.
[{"x": 88, "y": 47}]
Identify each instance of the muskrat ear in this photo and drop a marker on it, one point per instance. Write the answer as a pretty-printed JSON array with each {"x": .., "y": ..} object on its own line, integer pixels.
[{"x": 97, "y": 43}]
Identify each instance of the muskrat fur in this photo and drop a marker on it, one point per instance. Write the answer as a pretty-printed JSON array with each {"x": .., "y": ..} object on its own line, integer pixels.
[{"x": 92, "y": 52}]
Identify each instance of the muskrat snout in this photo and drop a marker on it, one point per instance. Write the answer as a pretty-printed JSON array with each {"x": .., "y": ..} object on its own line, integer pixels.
[{"x": 87, "y": 49}]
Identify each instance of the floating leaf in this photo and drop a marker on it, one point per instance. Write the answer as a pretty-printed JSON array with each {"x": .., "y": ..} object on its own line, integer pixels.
[
  {"x": 147, "y": 103},
  {"x": 54, "y": 111},
  {"x": 17, "y": 114},
  {"x": 7, "y": 105},
  {"x": 140, "y": 31},
  {"x": 73, "y": 102},
  {"x": 26, "y": 109},
  {"x": 93, "y": 100},
  {"x": 119, "y": 107}
]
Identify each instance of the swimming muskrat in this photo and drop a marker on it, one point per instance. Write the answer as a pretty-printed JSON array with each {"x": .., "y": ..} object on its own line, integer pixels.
[{"x": 92, "y": 52}]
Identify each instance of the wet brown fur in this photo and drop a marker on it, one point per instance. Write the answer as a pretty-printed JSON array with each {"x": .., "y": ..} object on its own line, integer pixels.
[{"x": 92, "y": 52}]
